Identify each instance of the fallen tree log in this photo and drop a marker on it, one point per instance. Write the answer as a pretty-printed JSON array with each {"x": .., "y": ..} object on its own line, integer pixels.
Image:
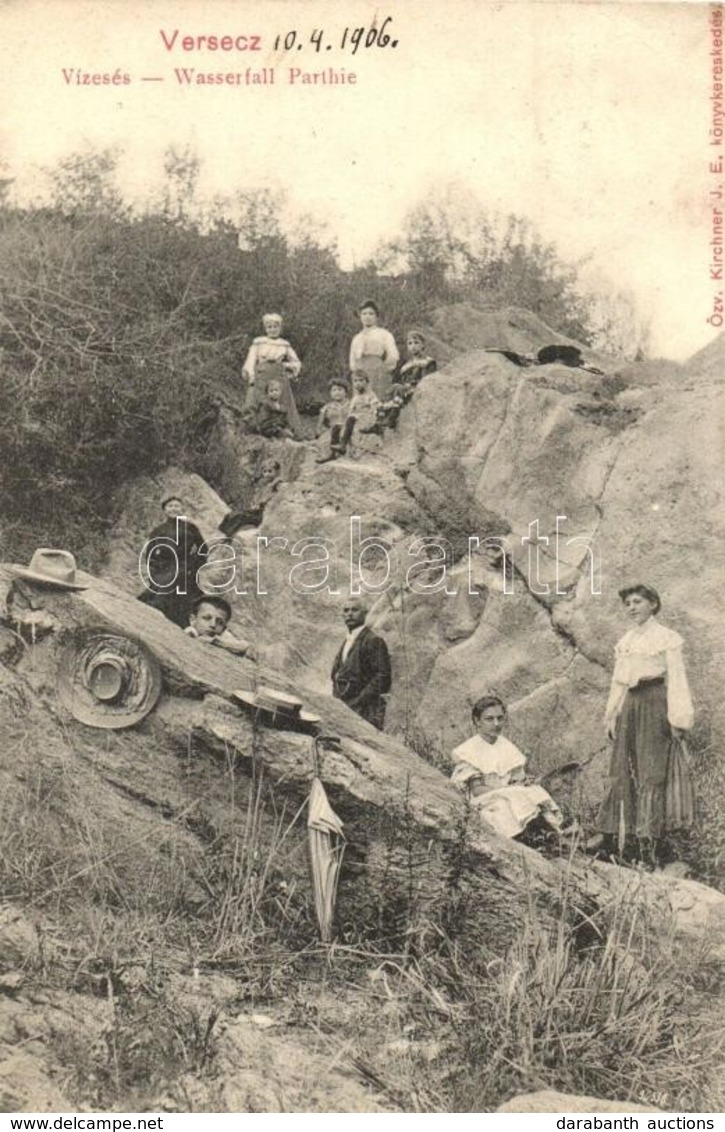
[{"x": 366, "y": 772}]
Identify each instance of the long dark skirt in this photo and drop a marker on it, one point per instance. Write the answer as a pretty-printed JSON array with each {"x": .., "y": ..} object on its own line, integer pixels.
[{"x": 650, "y": 790}]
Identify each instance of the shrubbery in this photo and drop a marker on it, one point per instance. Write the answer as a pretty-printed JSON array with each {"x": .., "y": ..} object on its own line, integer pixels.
[{"x": 120, "y": 332}]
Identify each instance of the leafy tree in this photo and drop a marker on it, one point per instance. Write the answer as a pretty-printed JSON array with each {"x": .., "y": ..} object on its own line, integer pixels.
[
  {"x": 618, "y": 324},
  {"x": 84, "y": 183},
  {"x": 462, "y": 250},
  {"x": 121, "y": 332},
  {"x": 181, "y": 177}
]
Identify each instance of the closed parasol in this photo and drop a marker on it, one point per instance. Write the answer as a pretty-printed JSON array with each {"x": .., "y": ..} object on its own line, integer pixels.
[{"x": 327, "y": 846}]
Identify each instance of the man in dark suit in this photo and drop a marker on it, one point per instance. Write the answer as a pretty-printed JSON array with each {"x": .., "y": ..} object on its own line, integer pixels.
[
  {"x": 361, "y": 670},
  {"x": 171, "y": 557}
]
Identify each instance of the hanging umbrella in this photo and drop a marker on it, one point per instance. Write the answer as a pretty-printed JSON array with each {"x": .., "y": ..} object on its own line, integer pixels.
[{"x": 327, "y": 846}]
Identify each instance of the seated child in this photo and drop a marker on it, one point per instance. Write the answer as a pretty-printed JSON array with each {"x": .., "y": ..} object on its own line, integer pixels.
[
  {"x": 418, "y": 365},
  {"x": 334, "y": 415},
  {"x": 271, "y": 419},
  {"x": 411, "y": 372},
  {"x": 269, "y": 481},
  {"x": 362, "y": 414},
  {"x": 208, "y": 622},
  {"x": 364, "y": 403},
  {"x": 491, "y": 770}
]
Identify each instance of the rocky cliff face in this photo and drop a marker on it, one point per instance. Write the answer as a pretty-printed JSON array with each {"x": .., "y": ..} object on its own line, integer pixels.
[
  {"x": 587, "y": 481},
  {"x": 199, "y": 738},
  {"x": 485, "y": 450}
]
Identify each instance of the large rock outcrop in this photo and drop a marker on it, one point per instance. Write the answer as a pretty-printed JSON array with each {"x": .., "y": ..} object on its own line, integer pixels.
[
  {"x": 589, "y": 481},
  {"x": 487, "y": 450},
  {"x": 369, "y": 775}
]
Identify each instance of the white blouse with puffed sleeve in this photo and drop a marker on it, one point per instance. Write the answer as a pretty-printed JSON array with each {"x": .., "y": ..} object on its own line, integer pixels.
[{"x": 647, "y": 652}]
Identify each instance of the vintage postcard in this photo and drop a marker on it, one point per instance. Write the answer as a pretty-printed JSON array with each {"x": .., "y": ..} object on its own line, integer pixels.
[{"x": 361, "y": 603}]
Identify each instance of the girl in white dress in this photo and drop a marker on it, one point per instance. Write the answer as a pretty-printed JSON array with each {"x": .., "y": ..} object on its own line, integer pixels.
[{"x": 490, "y": 768}]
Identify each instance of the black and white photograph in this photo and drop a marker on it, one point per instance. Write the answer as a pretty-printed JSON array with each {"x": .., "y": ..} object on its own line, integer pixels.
[{"x": 362, "y": 732}]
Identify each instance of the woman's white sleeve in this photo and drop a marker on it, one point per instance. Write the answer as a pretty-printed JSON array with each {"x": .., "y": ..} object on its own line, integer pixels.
[
  {"x": 251, "y": 363},
  {"x": 294, "y": 360},
  {"x": 680, "y": 712},
  {"x": 463, "y": 772}
]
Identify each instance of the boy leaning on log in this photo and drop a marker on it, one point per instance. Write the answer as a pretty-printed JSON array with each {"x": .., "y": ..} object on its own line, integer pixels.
[{"x": 209, "y": 622}]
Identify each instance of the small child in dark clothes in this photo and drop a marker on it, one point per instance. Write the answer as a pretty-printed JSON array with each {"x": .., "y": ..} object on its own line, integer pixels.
[
  {"x": 335, "y": 416},
  {"x": 269, "y": 481},
  {"x": 418, "y": 366},
  {"x": 271, "y": 418}
]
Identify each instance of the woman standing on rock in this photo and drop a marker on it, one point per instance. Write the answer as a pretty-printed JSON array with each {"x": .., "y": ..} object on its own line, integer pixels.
[
  {"x": 270, "y": 358},
  {"x": 648, "y": 713},
  {"x": 373, "y": 351}
]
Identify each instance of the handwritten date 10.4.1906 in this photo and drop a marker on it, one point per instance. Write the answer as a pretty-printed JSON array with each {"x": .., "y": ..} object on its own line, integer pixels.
[{"x": 350, "y": 39}]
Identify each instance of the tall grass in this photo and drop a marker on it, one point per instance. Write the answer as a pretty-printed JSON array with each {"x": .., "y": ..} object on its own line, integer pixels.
[
  {"x": 129, "y": 914},
  {"x": 242, "y": 873},
  {"x": 612, "y": 1006},
  {"x": 610, "y": 1020},
  {"x": 466, "y": 990}
]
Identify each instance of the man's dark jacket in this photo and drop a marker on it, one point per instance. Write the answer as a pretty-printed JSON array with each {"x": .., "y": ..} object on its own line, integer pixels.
[
  {"x": 173, "y": 552},
  {"x": 363, "y": 678}
]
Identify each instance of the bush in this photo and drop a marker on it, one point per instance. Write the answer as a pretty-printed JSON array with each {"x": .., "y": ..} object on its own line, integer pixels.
[{"x": 120, "y": 334}]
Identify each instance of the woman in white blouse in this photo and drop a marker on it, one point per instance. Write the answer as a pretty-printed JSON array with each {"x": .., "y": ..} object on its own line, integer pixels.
[
  {"x": 648, "y": 713},
  {"x": 271, "y": 358},
  {"x": 490, "y": 769},
  {"x": 373, "y": 351}
]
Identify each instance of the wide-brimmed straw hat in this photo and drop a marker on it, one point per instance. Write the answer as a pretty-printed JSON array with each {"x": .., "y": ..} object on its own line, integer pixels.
[
  {"x": 278, "y": 706},
  {"x": 108, "y": 680},
  {"x": 52, "y": 568}
]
